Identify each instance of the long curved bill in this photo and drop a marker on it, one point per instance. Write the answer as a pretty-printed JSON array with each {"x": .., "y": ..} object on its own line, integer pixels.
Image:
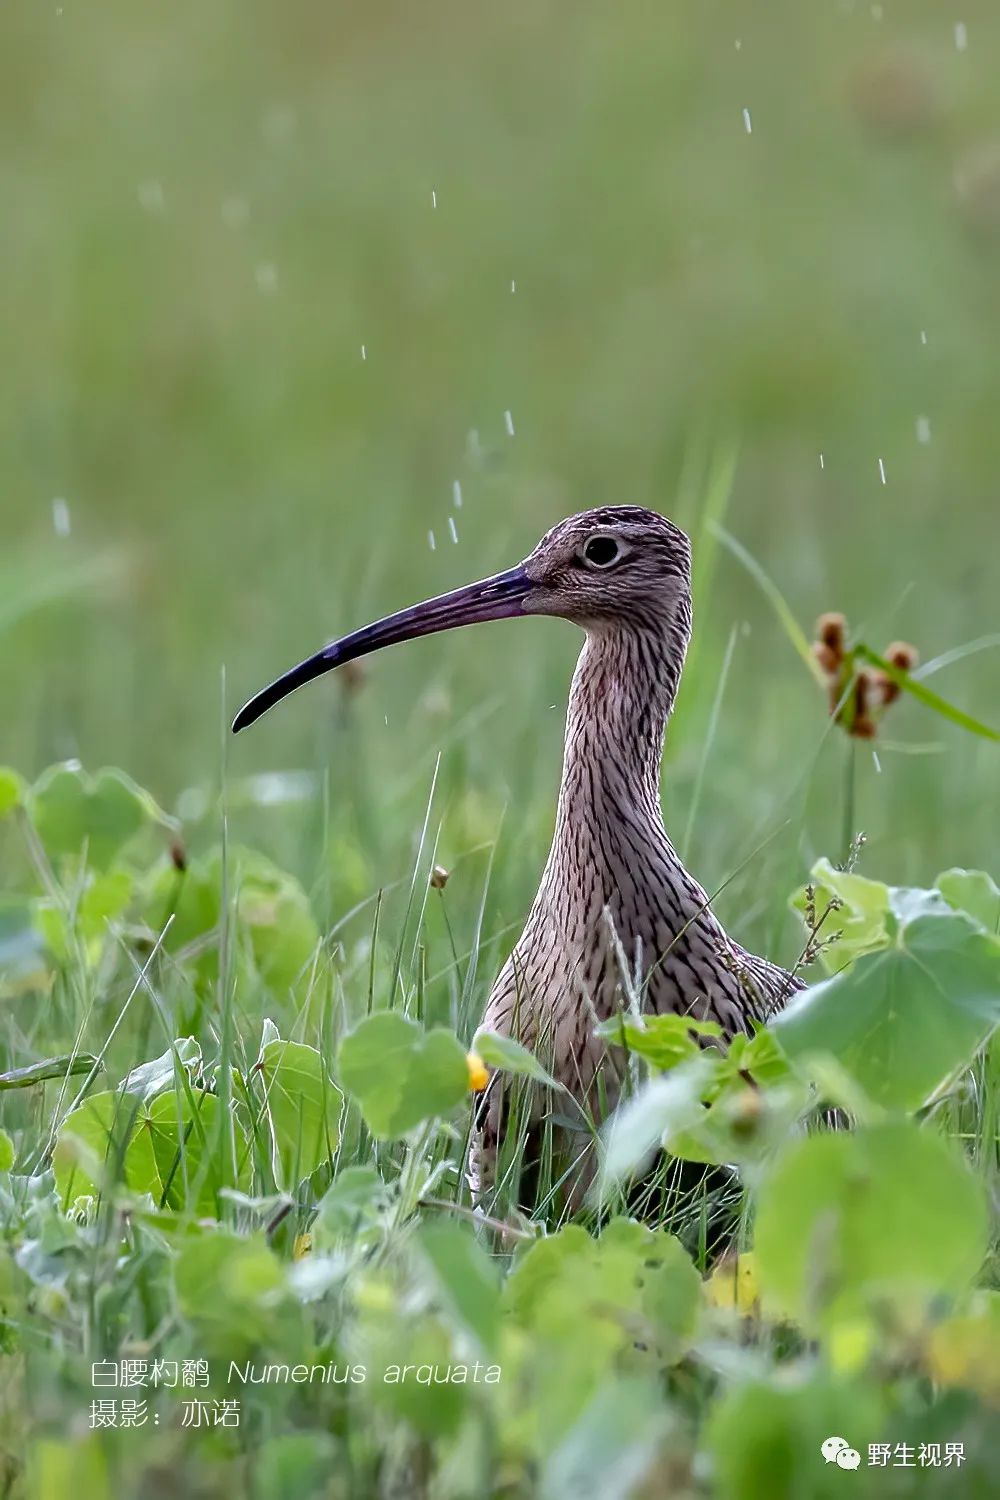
[{"x": 496, "y": 598}]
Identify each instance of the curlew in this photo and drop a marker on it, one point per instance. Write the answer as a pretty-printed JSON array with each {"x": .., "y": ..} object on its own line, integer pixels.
[{"x": 616, "y": 916}]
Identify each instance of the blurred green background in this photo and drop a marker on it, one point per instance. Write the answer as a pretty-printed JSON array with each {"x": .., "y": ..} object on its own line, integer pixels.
[{"x": 274, "y": 275}]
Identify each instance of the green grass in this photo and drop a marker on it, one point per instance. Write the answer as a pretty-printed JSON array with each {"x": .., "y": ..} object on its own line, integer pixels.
[{"x": 209, "y": 212}]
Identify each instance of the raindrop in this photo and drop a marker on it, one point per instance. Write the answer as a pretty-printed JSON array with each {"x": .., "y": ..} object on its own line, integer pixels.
[
  {"x": 748, "y": 127},
  {"x": 878, "y": 763},
  {"x": 364, "y": 351},
  {"x": 431, "y": 542},
  {"x": 456, "y": 494},
  {"x": 278, "y": 124},
  {"x": 151, "y": 196},
  {"x": 508, "y": 422},
  {"x": 881, "y": 470},
  {"x": 821, "y": 463},
  {"x": 513, "y": 286},
  {"x": 453, "y": 529},
  {"x": 434, "y": 199},
  {"x": 266, "y": 276},
  {"x": 923, "y": 429},
  {"x": 738, "y": 45},
  {"x": 235, "y": 212},
  {"x": 60, "y": 516},
  {"x": 961, "y": 35}
]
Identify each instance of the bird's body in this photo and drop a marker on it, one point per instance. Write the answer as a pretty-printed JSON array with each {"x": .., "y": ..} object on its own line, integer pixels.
[{"x": 617, "y": 923}]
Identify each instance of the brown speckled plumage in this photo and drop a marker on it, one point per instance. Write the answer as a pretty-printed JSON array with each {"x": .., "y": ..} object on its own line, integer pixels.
[
  {"x": 617, "y": 917},
  {"x": 617, "y": 920}
]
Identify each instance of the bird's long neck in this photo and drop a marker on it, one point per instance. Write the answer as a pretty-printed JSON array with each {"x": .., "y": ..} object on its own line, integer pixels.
[{"x": 623, "y": 691}]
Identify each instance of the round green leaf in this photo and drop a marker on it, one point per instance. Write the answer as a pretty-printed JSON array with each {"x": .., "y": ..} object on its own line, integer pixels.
[
  {"x": 304, "y": 1108},
  {"x": 11, "y": 790},
  {"x": 90, "y": 1152},
  {"x": 902, "y": 1020},
  {"x": 233, "y": 1289},
  {"x": 765, "y": 1438},
  {"x": 860, "y": 919},
  {"x": 888, "y": 1214},
  {"x": 401, "y": 1074},
  {"x": 975, "y": 892},
  {"x": 72, "y": 811},
  {"x": 628, "y": 1275}
]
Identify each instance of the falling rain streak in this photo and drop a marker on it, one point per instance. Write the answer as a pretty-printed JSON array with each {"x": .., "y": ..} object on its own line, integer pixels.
[
  {"x": 60, "y": 517},
  {"x": 508, "y": 422},
  {"x": 881, "y": 470},
  {"x": 456, "y": 494},
  {"x": 747, "y": 124},
  {"x": 453, "y": 529}
]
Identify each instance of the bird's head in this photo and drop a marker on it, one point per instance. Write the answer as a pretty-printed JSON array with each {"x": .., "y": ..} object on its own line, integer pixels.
[{"x": 617, "y": 567}]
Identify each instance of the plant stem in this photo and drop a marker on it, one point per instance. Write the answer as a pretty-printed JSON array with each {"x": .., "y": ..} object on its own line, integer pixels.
[{"x": 849, "y": 774}]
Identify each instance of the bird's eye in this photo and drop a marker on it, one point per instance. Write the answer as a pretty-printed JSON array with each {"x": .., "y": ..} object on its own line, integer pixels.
[{"x": 601, "y": 551}]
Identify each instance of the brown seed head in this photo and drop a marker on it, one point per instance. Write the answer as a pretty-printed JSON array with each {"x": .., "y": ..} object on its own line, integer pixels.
[
  {"x": 831, "y": 630},
  {"x": 862, "y": 724},
  {"x": 904, "y": 657},
  {"x": 439, "y": 877},
  {"x": 827, "y": 657}
]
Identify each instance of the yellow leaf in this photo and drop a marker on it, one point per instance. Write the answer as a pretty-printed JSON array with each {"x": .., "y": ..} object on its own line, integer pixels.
[
  {"x": 735, "y": 1284},
  {"x": 965, "y": 1350}
]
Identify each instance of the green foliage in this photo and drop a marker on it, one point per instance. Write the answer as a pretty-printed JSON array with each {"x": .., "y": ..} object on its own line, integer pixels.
[
  {"x": 12, "y": 790},
  {"x": 840, "y": 1231},
  {"x": 71, "y": 1065},
  {"x": 921, "y": 998},
  {"x": 303, "y": 1107},
  {"x": 631, "y": 1282},
  {"x": 301, "y": 1206},
  {"x": 161, "y": 1147},
  {"x": 401, "y": 1075},
  {"x": 765, "y": 1436},
  {"x": 276, "y": 933},
  {"x": 469, "y": 1283},
  {"x": 76, "y": 814},
  {"x": 232, "y": 1289},
  {"x": 509, "y": 1056}
]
